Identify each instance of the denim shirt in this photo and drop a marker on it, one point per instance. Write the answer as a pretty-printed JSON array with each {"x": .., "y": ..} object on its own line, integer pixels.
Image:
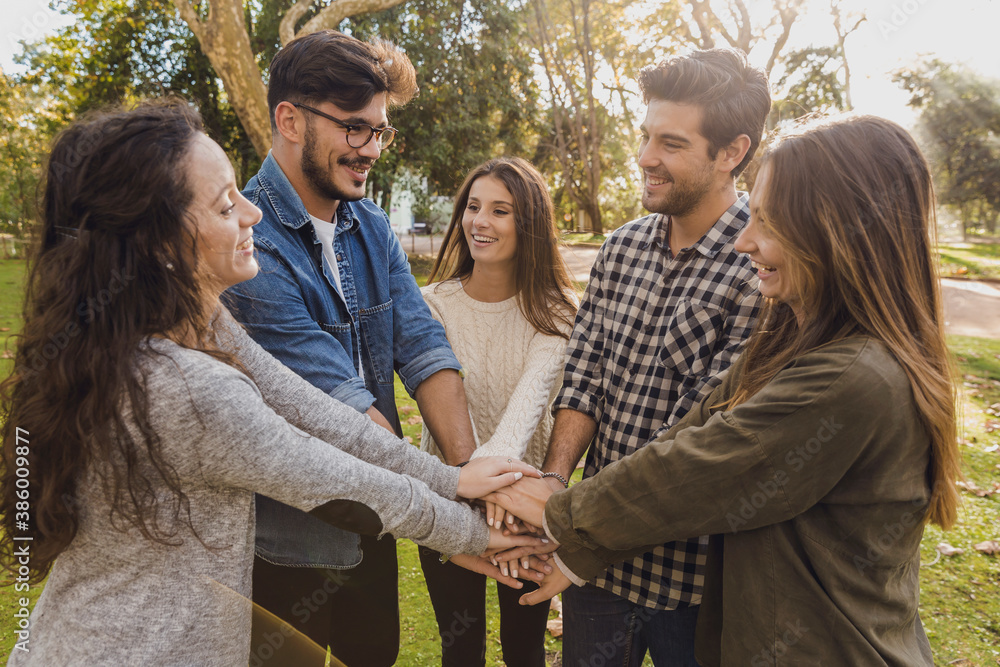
[{"x": 293, "y": 310}]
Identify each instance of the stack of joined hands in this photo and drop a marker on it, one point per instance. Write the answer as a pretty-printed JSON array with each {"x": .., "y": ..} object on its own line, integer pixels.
[{"x": 512, "y": 496}]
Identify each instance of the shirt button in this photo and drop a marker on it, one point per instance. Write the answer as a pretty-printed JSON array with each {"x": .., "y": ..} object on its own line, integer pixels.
[
  {"x": 649, "y": 328},
  {"x": 339, "y": 258}
]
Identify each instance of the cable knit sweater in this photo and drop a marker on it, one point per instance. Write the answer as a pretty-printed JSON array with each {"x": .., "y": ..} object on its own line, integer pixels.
[
  {"x": 511, "y": 372},
  {"x": 117, "y": 598}
]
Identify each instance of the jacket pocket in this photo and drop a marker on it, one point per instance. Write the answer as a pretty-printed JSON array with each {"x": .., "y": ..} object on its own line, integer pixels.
[
  {"x": 342, "y": 332},
  {"x": 377, "y": 338},
  {"x": 691, "y": 337}
]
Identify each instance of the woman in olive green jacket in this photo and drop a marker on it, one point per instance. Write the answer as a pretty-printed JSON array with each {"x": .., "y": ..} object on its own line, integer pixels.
[{"x": 829, "y": 445}]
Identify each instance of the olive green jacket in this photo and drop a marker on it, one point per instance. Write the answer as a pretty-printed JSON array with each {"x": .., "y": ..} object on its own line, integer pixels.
[{"x": 814, "y": 492}]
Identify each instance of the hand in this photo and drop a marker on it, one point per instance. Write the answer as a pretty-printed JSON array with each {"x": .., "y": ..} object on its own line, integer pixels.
[
  {"x": 522, "y": 553},
  {"x": 500, "y": 541},
  {"x": 525, "y": 499},
  {"x": 483, "y": 565},
  {"x": 553, "y": 584},
  {"x": 495, "y": 515},
  {"x": 528, "y": 567},
  {"x": 482, "y": 476}
]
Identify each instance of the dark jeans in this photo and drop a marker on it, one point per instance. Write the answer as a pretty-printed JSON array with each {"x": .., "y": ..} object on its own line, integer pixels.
[
  {"x": 459, "y": 600},
  {"x": 355, "y": 612},
  {"x": 601, "y": 628}
]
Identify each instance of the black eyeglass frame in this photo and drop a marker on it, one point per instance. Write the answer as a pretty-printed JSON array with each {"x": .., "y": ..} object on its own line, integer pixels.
[{"x": 376, "y": 132}]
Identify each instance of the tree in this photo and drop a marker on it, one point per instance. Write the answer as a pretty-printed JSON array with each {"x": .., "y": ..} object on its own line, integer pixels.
[
  {"x": 586, "y": 69},
  {"x": 120, "y": 51},
  {"x": 477, "y": 94},
  {"x": 736, "y": 27},
  {"x": 960, "y": 128},
  {"x": 22, "y": 149}
]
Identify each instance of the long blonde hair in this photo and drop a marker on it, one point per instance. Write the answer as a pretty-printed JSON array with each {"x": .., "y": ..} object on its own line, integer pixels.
[{"x": 851, "y": 202}]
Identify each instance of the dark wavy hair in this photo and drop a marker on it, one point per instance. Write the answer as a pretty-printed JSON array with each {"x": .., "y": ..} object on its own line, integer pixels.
[
  {"x": 113, "y": 265},
  {"x": 541, "y": 277},
  {"x": 734, "y": 96},
  {"x": 329, "y": 66}
]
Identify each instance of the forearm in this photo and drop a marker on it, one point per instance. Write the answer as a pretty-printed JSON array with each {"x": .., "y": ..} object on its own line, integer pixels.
[
  {"x": 572, "y": 433},
  {"x": 442, "y": 404}
]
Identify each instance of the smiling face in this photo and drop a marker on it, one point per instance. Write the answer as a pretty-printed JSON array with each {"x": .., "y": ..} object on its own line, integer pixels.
[
  {"x": 765, "y": 252},
  {"x": 489, "y": 225},
  {"x": 332, "y": 168},
  {"x": 221, "y": 216},
  {"x": 673, "y": 155}
]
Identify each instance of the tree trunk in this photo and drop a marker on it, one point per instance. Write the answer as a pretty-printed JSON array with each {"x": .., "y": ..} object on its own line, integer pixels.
[{"x": 223, "y": 37}]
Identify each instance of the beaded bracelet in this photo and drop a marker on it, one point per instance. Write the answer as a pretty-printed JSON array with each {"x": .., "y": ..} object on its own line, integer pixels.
[{"x": 557, "y": 476}]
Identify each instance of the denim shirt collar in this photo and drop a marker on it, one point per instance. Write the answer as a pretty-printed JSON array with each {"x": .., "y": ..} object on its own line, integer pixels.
[{"x": 288, "y": 205}]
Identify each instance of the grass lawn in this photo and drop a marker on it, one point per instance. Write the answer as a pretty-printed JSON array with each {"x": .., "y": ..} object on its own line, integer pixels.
[
  {"x": 960, "y": 606},
  {"x": 970, "y": 260}
]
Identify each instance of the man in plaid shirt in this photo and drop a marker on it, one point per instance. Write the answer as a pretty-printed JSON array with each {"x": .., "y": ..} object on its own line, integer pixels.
[{"x": 667, "y": 310}]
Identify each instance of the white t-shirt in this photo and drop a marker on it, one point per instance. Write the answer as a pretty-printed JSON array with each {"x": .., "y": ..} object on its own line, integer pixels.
[{"x": 325, "y": 231}]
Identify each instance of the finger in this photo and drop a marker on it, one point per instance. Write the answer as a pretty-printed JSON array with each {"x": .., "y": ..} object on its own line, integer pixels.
[
  {"x": 498, "y": 515},
  {"x": 490, "y": 512},
  {"x": 513, "y": 566},
  {"x": 492, "y": 484},
  {"x": 536, "y": 596}
]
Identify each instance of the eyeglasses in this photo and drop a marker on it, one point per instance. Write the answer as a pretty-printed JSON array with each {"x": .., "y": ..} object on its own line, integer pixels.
[{"x": 358, "y": 134}]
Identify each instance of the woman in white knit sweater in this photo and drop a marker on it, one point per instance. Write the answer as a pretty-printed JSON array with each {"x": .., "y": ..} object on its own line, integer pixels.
[{"x": 507, "y": 306}]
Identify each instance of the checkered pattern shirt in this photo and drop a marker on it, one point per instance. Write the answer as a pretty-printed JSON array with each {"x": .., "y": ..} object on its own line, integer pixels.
[{"x": 652, "y": 336}]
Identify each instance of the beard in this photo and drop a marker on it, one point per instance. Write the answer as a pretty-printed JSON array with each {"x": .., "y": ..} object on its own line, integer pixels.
[
  {"x": 318, "y": 174},
  {"x": 684, "y": 196}
]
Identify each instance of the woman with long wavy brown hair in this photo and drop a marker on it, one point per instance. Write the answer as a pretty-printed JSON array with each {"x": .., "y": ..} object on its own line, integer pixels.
[
  {"x": 501, "y": 289},
  {"x": 830, "y": 444},
  {"x": 144, "y": 419}
]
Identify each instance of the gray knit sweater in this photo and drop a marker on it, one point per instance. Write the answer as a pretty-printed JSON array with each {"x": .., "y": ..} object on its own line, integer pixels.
[{"x": 117, "y": 598}]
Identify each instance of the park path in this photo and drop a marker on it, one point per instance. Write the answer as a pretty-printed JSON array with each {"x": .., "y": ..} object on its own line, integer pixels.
[{"x": 971, "y": 308}]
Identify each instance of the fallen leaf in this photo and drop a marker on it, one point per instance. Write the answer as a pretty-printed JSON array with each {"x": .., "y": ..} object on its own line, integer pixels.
[
  {"x": 406, "y": 409},
  {"x": 4, "y": 328},
  {"x": 6, "y": 354},
  {"x": 993, "y": 409},
  {"x": 992, "y": 425},
  {"x": 555, "y": 627},
  {"x": 408, "y": 439},
  {"x": 993, "y": 448},
  {"x": 975, "y": 490},
  {"x": 948, "y": 550},
  {"x": 990, "y": 547},
  {"x": 962, "y": 662},
  {"x": 415, "y": 419}
]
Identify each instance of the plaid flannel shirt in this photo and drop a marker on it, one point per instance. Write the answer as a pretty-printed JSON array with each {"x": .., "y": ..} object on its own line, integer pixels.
[{"x": 651, "y": 338}]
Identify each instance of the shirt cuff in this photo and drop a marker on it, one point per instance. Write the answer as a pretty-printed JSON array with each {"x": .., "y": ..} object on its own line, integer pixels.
[
  {"x": 562, "y": 566},
  {"x": 353, "y": 393},
  {"x": 426, "y": 365},
  {"x": 566, "y": 571}
]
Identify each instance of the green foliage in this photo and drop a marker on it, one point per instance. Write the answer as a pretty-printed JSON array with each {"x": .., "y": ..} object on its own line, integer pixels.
[
  {"x": 970, "y": 260},
  {"x": 810, "y": 82},
  {"x": 22, "y": 149},
  {"x": 477, "y": 96},
  {"x": 960, "y": 129}
]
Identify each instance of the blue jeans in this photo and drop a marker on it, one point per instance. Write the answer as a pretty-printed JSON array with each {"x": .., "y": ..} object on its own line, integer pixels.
[{"x": 602, "y": 629}]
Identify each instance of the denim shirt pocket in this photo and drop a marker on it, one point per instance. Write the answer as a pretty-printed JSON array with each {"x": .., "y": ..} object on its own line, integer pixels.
[
  {"x": 342, "y": 332},
  {"x": 691, "y": 337},
  {"x": 377, "y": 338}
]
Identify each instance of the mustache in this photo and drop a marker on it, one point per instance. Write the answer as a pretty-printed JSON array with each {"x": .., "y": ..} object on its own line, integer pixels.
[{"x": 360, "y": 164}]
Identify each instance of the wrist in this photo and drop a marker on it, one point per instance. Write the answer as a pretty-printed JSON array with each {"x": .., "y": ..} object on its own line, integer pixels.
[{"x": 563, "y": 482}]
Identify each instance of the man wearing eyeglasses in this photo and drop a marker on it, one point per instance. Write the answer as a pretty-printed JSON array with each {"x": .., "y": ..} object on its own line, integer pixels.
[{"x": 335, "y": 301}]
